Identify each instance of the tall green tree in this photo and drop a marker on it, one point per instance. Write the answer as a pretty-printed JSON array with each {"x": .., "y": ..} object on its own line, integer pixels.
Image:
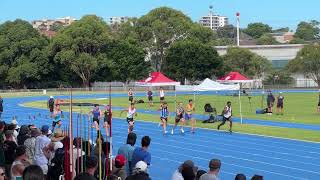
[
  {"x": 23, "y": 59},
  {"x": 266, "y": 39},
  {"x": 245, "y": 62},
  {"x": 307, "y": 62},
  {"x": 160, "y": 28},
  {"x": 127, "y": 61},
  {"x": 192, "y": 60},
  {"x": 308, "y": 31},
  {"x": 256, "y": 30},
  {"x": 82, "y": 46}
]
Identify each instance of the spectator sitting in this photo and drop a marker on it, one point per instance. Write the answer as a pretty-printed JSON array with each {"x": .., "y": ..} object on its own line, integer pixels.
[
  {"x": 240, "y": 177},
  {"x": 23, "y": 134},
  {"x": 33, "y": 172},
  {"x": 2, "y": 173},
  {"x": 200, "y": 173},
  {"x": 140, "y": 172},
  {"x": 92, "y": 165},
  {"x": 20, "y": 163},
  {"x": 214, "y": 168},
  {"x": 177, "y": 175},
  {"x": 118, "y": 169},
  {"x": 30, "y": 143},
  {"x": 41, "y": 151},
  {"x": 257, "y": 177},
  {"x": 127, "y": 151},
  {"x": 141, "y": 153}
]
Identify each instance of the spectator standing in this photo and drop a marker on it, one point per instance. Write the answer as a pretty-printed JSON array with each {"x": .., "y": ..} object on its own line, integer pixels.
[
  {"x": 140, "y": 172},
  {"x": 127, "y": 151},
  {"x": 118, "y": 169},
  {"x": 141, "y": 153},
  {"x": 257, "y": 177},
  {"x": 177, "y": 175},
  {"x": 41, "y": 149},
  {"x": 33, "y": 172},
  {"x": 1, "y": 107},
  {"x": 130, "y": 95},
  {"x": 240, "y": 177},
  {"x": 161, "y": 94},
  {"x": 150, "y": 97},
  {"x": 20, "y": 163},
  {"x": 30, "y": 143},
  {"x": 9, "y": 150},
  {"x": 270, "y": 102},
  {"x": 214, "y": 168},
  {"x": 319, "y": 102},
  {"x": 23, "y": 134},
  {"x": 2, "y": 139},
  {"x": 2, "y": 173},
  {"x": 280, "y": 99},
  {"x": 91, "y": 165}
]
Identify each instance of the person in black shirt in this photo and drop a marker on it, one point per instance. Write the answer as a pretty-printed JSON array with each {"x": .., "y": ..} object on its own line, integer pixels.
[
  {"x": 270, "y": 101},
  {"x": 1, "y": 106},
  {"x": 91, "y": 165},
  {"x": 280, "y": 99}
]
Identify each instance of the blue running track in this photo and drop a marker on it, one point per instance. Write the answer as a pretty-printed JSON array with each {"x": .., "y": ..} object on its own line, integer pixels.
[{"x": 274, "y": 158}]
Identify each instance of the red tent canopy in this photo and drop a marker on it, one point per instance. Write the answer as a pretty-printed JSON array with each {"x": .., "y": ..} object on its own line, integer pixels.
[
  {"x": 157, "y": 79},
  {"x": 234, "y": 77}
]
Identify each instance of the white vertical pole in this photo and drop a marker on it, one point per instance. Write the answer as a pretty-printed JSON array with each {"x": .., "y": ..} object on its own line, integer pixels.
[
  {"x": 211, "y": 14},
  {"x": 240, "y": 105},
  {"x": 238, "y": 29}
]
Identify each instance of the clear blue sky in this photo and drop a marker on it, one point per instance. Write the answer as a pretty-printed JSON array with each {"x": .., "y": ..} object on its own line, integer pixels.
[{"x": 277, "y": 13}]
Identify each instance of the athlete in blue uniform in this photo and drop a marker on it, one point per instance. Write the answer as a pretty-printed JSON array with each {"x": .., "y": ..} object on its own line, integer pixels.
[
  {"x": 164, "y": 115},
  {"x": 96, "y": 115}
]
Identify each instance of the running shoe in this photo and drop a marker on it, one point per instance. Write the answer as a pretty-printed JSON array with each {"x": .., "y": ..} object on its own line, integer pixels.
[
  {"x": 182, "y": 131},
  {"x": 172, "y": 131}
]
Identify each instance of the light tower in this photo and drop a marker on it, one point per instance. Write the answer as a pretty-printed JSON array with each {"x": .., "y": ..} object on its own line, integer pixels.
[
  {"x": 211, "y": 14},
  {"x": 238, "y": 28}
]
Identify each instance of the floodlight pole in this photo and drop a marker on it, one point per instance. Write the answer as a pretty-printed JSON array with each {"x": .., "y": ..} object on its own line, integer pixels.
[{"x": 238, "y": 28}]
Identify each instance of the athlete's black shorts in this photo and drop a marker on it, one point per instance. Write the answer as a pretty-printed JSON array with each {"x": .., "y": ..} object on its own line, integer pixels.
[
  {"x": 279, "y": 105},
  {"x": 130, "y": 120},
  {"x": 161, "y": 98},
  {"x": 226, "y": 119},
  {"x": 54, "y": 123},
  {"x": 107, "y": 119},
  {"x": 95, "y": 120},
  {"x": 319, "y": 103},
  {"x": 178, "y": 118},
  {"x": 165, "y": 118},
  {"x": 51, "y": 109},
  {"x": 130, "y": 98},
  {"x": 150, "y": 98}
]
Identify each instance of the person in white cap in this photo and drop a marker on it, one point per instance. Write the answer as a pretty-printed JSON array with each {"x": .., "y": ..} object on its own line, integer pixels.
[
  {"x": 140, "y": 172},
  {"x": 280, "y": 99}
]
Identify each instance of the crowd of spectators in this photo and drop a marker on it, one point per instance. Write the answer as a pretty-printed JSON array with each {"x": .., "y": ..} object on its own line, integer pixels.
[{"x": 32, "y": 153}]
